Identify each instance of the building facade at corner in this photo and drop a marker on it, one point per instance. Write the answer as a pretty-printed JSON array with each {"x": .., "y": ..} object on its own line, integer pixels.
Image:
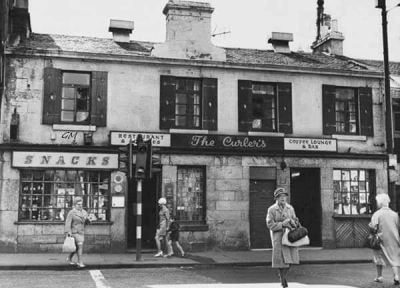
[{"x": 228, "y": 126}]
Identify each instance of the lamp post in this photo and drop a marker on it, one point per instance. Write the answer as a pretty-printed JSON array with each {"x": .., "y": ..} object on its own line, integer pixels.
[{"x": 388, "y": 99}]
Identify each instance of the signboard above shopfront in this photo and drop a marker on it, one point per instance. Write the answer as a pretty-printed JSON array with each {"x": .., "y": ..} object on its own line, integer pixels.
[
  {"x": 35, "y": 159},
  {"x": 229, "y": 142},
  {"x": 310, "y": 144},
  {"x": 123, "y": 138}
]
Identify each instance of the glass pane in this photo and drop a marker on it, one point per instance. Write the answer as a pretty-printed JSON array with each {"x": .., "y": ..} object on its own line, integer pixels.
[
  {"x": 67, "y": 116},
  {"x": 180, "y": 109},
  {"x": 68, "y": 92},
  {"x": 354, "y": 175},
  {"x": 82, "y": 99},
  {"x": 339, "y": 106},
  {"x": 49, "y": 175},
  {"x": 196, "y": 99},
  {"x": 26, "y": 175},
  {"x": 256, "y": 124},
  {"x": 181, "y": 98},
  {"x": 180, "y": 84},
  {"x": 352, "y": 128},
  {"x": 76, "y": 78},
  {"x": 196, "y": 121},
  {"x": 37, "y": 176},
  {"x": 196, "y": 86},
  {"x": 67, "y": 104},
  {"x": 337, "y": 175},
  {"x": 180, "y": 121},
  {"x": 362, "y": 175},
  {"x": 82, "y": 116},
  {"x": 196, "y": 110}
]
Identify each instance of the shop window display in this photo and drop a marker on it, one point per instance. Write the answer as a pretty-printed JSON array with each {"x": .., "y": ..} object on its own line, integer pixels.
[
  {"x": 353, "y": 191},
  {"x": 190, "y": 194},
  {"x": 47, "y": 195}
]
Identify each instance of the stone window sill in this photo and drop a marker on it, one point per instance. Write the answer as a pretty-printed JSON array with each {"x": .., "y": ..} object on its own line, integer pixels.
[
  {"x": 269, "y": 134},
  {"x": 70, "y": 127},
  {"x": 188, "y": 131},
  {"x": 349, "y": 137},
  {"x": 59, "y": 223}
]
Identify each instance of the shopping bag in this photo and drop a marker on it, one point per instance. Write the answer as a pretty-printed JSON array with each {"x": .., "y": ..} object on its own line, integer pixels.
[
  {"x": 69, "y": 245},
  {"x": 374, "y": 241},
  {"x": 301, "y": 242}
]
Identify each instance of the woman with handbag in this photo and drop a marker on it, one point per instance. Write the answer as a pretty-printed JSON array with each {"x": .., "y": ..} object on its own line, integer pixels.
[
  {"x": 75, "y": 223},
  {"x": 386, "y": 223},
  {"x": 280, "y": 216}
]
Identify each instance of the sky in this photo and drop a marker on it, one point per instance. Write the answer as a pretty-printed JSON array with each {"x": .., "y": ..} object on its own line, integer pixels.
[{"x": 249, "y": 22}]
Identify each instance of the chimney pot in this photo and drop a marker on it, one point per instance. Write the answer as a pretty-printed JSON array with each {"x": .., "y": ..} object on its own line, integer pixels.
[{"x": 121, "y": 30}]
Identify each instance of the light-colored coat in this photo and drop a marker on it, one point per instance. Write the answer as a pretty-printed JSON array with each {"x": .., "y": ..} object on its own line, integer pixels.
[
  {"x": 387, "y": 222},
  {"x": 282, "y": 256},
  {"x": 75, "y": 222}
]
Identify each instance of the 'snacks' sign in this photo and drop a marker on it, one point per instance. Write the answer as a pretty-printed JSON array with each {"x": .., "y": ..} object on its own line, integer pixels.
[
  {"x": 25, "y": 159},
  {"x": 227, "y": 142}
]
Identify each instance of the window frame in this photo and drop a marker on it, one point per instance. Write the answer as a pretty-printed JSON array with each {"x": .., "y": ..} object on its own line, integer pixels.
[
  {"x": 76, "y": 86},
  {"x": 347, "y": 112},
  {"x": 190, "y": 107},
  {"x": 52, "y": 182},
  {"x": 275, "y": 108},
  {"x": 370, "y": 192},
  {"x": 204, "y": 197}
]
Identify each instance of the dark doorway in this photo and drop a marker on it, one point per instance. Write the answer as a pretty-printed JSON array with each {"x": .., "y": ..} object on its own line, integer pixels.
[
  {"x": 150, "y": 194},
  {"x": 305, "y": 197},
  {"x": 261, "y": 197}
]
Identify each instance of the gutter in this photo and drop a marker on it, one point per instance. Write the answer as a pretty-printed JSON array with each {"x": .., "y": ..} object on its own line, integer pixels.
[{"x": 142, "y": 59}]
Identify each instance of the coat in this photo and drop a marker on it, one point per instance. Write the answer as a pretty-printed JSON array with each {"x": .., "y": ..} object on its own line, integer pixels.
[
  {"x": 164, "y": 220},
  {"x": 387, "y": 222},
  {"x": 75, "y": 222},
  {"x": 282, "y": 256}
]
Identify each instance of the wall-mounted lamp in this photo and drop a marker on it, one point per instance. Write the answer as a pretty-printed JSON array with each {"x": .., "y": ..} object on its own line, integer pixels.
[
  {"x": 283, "y": 165},
  {"x": 14, "y": 124},
  {"x": 88, "y": 138}
]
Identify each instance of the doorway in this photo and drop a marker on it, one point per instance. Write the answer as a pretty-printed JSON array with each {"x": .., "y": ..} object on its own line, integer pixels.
[
  {"x": 305, "y": 197},
  {"x": 151, "y": 189}
]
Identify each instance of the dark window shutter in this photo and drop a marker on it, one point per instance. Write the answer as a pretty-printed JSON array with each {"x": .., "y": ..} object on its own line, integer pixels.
[
  {"x": 167, "y": 102},
  {"x": 52, "y": 79},
  {"x": 244, "y": 101},
  {"x": 328, "y": 109},
  {"x": 210, "y": 103},
  {"x": 99, "y": 99},
  {"x": 366, "y": 116},
  {"x": 285, "y": 108}
]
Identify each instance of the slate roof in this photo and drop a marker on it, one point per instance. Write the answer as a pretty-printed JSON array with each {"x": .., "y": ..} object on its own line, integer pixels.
[{"x": 81, "y": 44}]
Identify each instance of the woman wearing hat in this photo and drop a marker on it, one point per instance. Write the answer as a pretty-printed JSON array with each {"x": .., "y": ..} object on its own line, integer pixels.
[
  {"x": 161, "y": 233},
  {"x": 281, "y": 215}
]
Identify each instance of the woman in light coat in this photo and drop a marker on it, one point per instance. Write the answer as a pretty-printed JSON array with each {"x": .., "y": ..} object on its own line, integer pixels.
[
  {"x": 75, "y": 223},
  {"x": 281, "y": 215},
  {"x": 386, "y": 222},
  {"x": 161, "y": 233}
]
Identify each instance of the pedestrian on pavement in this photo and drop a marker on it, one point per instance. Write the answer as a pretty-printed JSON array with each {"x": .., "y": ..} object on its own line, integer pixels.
[
  {"x": 173, "y": 237},
  {"x": 161, "y": 233},
  {"x": 75, "y": 223},
  {"x": 281, "y": 215},
  {"x": 386, "y": 222}
]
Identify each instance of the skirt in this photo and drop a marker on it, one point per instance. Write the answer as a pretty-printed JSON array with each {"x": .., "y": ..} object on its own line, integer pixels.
[{"x": 79, "y": 238}]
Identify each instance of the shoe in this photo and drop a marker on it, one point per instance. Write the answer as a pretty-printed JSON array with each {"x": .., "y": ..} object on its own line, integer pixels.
[
  {"x": 378, "y": 279},
  {"x": 70, "y": 262},
  {"x": 286, "y": 284},
  {"x": 183, "y": 255},
  {"x": 159, "y": 254},
  {"x": 396, "y": 282},
  {"x": 81, "y": 265},
  {"x": 168, "y": 255}
]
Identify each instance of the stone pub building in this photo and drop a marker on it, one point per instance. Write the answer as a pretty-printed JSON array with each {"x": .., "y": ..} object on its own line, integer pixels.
[{"x": 228, "y": 126}]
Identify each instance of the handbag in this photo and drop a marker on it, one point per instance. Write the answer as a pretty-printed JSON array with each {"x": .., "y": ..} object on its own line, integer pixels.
[
  {"x": 373, "y": 240},
  {"x": 297, "y": 233},
  {"x": 301, "y": 242},
  {"x": 69, "y": 245}
]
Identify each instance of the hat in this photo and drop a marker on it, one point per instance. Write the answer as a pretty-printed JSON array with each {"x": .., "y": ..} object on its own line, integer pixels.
[
  {"x": 279, "y": 191},
  {"x": 162, "y": 201}
]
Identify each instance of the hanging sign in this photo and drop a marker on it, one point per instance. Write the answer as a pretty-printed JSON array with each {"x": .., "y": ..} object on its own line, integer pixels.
[
  {"x": 123, "y": 138},
  {"x": 310, "y": 144},
  {"x": 64, "y": 160}
]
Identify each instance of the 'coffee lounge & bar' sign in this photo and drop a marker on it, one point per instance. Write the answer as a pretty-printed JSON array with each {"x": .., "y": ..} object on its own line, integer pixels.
[
  {"x": 231, "y": 142},
  {"x": 26, "y": 159}
]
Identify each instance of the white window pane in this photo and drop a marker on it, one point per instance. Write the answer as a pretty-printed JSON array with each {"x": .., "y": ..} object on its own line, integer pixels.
[
  {"x": 67, "y": 116},
  {"x": 76, "y": 78},
  {"x": 337, "y": 175}
]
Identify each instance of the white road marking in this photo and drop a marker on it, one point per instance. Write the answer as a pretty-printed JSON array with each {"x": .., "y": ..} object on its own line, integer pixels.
[
  {"x": 246, "y": 285},
  {"x": 99, "y": 279}
]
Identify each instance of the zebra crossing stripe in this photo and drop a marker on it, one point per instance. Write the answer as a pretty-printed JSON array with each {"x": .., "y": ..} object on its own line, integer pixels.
[{"x": 99, "y": 279}]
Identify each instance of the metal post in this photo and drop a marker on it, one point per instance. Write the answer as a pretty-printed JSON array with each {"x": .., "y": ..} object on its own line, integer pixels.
[{"x": 139, "y": 220}]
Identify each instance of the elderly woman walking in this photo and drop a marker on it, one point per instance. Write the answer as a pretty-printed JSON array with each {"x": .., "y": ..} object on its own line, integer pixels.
[
  {"x": 75, "y": 223},
  {"x": 386, "y": 222},
  {"x": 161, "y": 233},
  {"x": 281, "y": 215}
]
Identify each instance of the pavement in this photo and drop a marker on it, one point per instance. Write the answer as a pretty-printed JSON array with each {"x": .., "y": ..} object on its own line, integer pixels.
[{"x": 51, "y": 261}]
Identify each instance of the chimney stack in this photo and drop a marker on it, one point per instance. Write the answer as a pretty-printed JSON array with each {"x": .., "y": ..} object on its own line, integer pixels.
[
  {"x": 280, "y": 41},
  {"x": 188, "y": 32},
  {"x": 121, "y": 30},
  {"x": 331, "y": 40},
  {"x": 19, "y": 22}
]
